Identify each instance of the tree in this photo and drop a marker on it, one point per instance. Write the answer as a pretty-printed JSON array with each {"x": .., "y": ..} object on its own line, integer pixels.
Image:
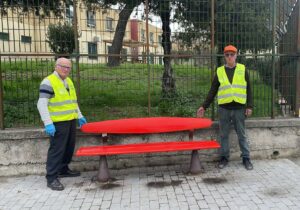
[
  {"x": 61, "y": 38},
  {"x": 39, "y": 7},
  {"x": 126, "y": 7},
  {"x": 163, "y": 8},
  {"x": 244, "y": 24}
]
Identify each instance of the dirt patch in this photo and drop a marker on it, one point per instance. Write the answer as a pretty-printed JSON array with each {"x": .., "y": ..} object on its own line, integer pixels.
[
  {"x": 214, "y": 180},
  {"x": 164, "y": 184},
  {"x": 275, "y": 192},
  {"x": 106, "y": 185},
  {"x": 109, "y": 186},
  {"x": 95, "y": 179},
  {"x": 90, "y": 189},
  {"x": 78, "y": 184}
]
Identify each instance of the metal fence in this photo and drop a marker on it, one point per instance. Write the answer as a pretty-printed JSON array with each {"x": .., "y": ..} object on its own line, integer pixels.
[{"x": 147, "y": 58}]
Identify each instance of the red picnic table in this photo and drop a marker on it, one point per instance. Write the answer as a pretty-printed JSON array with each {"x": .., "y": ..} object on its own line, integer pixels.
[{"x": 149, "y": 125}]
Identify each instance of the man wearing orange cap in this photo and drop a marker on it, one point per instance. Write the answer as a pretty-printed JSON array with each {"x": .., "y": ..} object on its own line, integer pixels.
[{"x": 232, "y": 85}]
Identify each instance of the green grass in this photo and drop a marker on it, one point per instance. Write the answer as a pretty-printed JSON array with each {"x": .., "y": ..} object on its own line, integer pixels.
[{"x": 110, "y": 93}]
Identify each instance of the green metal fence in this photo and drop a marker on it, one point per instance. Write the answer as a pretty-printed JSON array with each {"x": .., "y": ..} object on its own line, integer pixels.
[{"x": 147, "y": 58}]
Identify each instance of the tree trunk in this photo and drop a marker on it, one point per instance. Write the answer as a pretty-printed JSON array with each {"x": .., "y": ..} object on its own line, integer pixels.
[
  {"x": 168, "y": 82},
  {"x": 117, "y": 42}
]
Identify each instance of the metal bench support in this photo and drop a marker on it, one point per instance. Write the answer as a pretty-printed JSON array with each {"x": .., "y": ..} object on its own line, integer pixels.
[
  {"x": 103, "y": 173},
  {"x": 195, "y": 165}
]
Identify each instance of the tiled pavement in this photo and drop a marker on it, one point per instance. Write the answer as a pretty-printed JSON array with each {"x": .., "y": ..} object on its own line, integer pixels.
[{"x": 273, "y": 184}]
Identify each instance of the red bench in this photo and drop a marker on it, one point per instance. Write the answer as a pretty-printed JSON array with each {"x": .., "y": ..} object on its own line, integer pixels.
[{"x": 172, "y": 124}]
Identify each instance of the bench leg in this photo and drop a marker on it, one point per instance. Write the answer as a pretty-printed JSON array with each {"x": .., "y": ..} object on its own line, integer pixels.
[
  {"x": 195, "y": 166},
  {"x": 103, "y": 173}
]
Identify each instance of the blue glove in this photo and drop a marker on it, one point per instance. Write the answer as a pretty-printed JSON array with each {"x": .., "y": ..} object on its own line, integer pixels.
[
  {"x": 82, "y": 121},
  {"x": 50, "y": 129}
]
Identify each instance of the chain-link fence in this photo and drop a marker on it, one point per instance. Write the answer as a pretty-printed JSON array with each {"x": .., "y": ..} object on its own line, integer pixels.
[{"x": 147, "y": 57}]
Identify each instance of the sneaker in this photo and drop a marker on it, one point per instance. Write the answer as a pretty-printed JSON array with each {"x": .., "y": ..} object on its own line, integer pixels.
[
  {"x": 222, "y": 163},
  {"x": 55, "y": 185},
  {"x": 247, "y": 163}
]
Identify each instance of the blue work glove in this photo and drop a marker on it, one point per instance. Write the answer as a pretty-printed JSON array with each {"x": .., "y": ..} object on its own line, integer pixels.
[
  {"x": 50, "y": 129},
  {"x": 82, "y": 121}
]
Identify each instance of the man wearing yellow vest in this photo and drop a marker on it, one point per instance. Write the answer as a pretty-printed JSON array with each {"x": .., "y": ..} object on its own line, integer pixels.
[
  {"x": 59, "y": 110},
  {"x": 232, "y": 85}
]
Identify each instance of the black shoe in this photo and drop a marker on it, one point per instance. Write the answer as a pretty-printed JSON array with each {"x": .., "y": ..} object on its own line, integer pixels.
[
  {"x": 69, "y": 173},
  {"x": 247, "y": 163},
  {"x": 222, "y": 163},
  {"x": 55, "y": 185}
]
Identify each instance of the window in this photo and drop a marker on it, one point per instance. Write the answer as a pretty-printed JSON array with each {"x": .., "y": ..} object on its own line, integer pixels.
[
  {"x": 92, "y": 50},
  {"x": 26, "y": 39},
  {"x": 151, "y": 38},
  {"x": 90, "y": 16},
  {"x": 143, "y": 38},
  {"x": 4, "y": 36},
  {"x": 160, "y": 39},
  {"x": 109, "y": 49},
  {"x": 151, "y": 58},
  {"x": 69, "y": 13},
  {"x": 109, "y": 24}
]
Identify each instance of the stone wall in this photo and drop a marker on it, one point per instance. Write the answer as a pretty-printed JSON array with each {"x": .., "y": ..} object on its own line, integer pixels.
[{"x": 23, "y": 151}]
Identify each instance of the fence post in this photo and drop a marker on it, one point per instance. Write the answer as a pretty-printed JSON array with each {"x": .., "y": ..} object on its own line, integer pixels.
[
  {"x": 75, "y": 28},
  {"x": 297, "y": 101},
  {"x": 273, "y": 58},
  {"x": 212, "y": 50},
  {"x": 1, "y": 99},
  {"x": 147, "y": 52}
]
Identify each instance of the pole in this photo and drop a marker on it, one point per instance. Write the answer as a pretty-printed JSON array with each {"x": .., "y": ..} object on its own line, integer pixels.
[
  {"x": 147, "y": 52},
  {"x": 1, "y": 99},
  {"x": 212, "y": 49},
  {"x": 75, "y": 26},
  {"x": 273, "y": 59}
]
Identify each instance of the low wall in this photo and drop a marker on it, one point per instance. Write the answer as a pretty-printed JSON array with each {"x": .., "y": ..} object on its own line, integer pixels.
[{"x": 23, "y": 151}]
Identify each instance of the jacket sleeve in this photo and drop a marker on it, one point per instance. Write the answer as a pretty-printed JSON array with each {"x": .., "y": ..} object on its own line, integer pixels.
[
  {"x": 249, "y": 92},
  {"x": 212, "y": 92}
]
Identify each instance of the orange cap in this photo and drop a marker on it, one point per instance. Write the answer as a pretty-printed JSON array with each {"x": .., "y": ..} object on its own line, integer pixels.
[{"x": 230, "y": 48}]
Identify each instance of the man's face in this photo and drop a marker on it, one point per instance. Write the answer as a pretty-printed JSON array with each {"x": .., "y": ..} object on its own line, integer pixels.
[
  {"x": 230, "y": 57},
  {"x": 63, "y": 68}
]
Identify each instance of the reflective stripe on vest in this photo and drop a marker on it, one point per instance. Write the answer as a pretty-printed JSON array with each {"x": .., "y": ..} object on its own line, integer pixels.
[
  {"x": 63, "y": 106},
  {"x": 237, "y": 91}
]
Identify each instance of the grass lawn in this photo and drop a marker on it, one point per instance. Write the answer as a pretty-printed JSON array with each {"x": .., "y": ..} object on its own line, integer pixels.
[{"x": 111, "y": 93}]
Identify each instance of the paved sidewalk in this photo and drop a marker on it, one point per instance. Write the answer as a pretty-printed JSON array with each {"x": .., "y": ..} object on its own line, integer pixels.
[{"x": 273, "y": 184}]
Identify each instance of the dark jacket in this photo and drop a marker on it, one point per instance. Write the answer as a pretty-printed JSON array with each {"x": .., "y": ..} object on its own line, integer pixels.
[{"x": 233, "y": 105}]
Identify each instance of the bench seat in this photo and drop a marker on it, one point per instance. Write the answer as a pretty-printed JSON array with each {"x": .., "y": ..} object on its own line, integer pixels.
[{"x": 170, "y": 146}]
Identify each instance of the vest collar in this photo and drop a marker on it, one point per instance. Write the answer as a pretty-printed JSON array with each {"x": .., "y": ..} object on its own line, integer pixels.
[
  {"x": 57, "y": 75},
  {"x": 231, "y": 67}
]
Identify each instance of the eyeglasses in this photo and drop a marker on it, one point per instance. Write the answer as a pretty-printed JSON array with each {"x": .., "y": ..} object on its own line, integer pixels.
[
  {"x": 229, "y": 54},
  {"x": 68, "y": 68}
]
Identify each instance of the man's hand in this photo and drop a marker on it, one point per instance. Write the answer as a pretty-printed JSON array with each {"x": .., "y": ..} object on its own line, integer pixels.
[
  {"x": 248, "y": 112},
  {"x": 82, "y": 121},
  {"x": 50, "y": 129},
  {"x": 200, "y": 112}
]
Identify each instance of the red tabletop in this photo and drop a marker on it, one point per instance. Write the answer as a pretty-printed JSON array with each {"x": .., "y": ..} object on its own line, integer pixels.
[{"x": 146, "y": 125}]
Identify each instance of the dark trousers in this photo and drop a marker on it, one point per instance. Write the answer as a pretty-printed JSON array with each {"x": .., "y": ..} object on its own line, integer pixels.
[
  {"x": 61, "y": 149},
  {"x": 237, "y": 117}
]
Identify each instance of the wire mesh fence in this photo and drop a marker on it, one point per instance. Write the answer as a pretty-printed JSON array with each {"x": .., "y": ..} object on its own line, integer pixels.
[{"x": 147, "y": 58}]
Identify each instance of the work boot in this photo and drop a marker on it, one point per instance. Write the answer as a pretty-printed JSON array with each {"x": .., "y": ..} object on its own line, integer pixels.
[
  {"x": 55, "y": 185},
  {"x": 222, "y": 163},
  {"x": 247, "y": 163},
  {"x": 68, "y": 173}
]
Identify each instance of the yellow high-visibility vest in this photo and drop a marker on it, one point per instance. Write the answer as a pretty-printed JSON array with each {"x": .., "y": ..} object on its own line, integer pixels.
[
  {"x": 63, "y": 106},
  {"x": 237, "y": 91}
]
